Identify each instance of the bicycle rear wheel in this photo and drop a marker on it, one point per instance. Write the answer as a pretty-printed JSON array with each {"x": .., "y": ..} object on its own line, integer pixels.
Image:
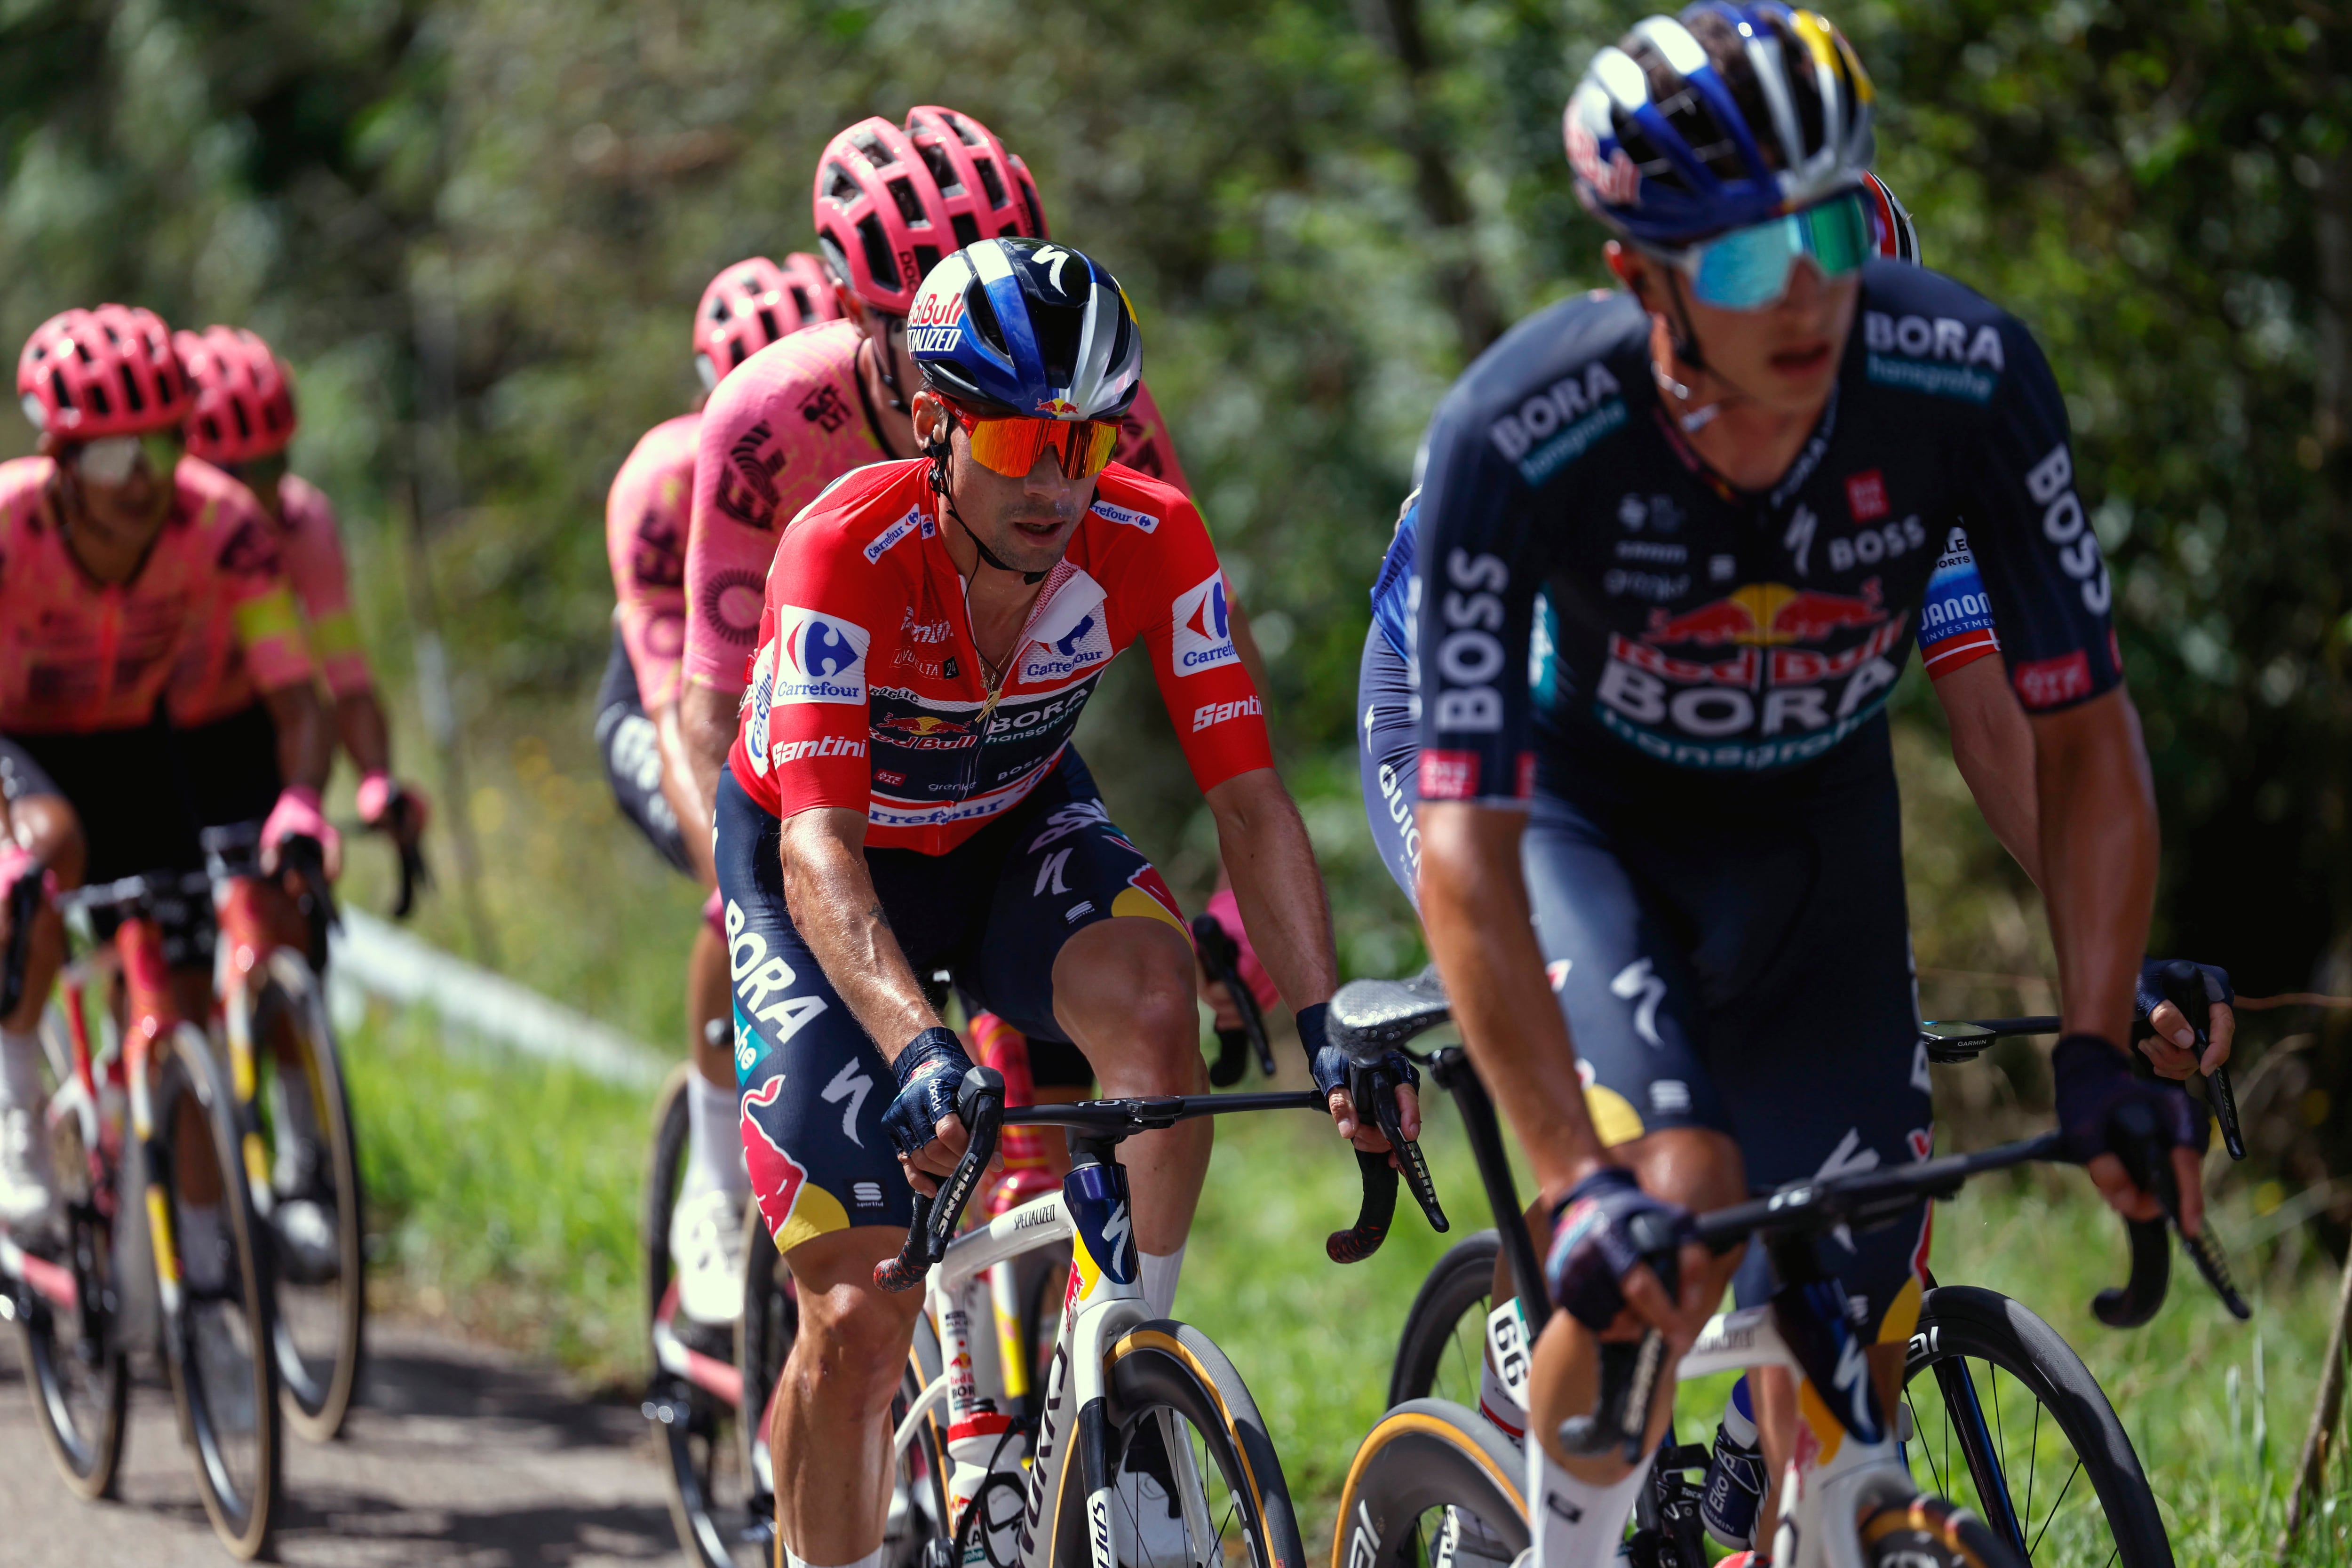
[
  {"x": 74, "y": 1356},
  {"x": 316, "y": 1219},
  {"x": 1444, "y": 1341},
  {"x": 2007, "y": 1421},
  {"x": 1208, "y": 1487},
  {"x": 218, "y": 1325},
  {"x": 1433, "y": 1480}
]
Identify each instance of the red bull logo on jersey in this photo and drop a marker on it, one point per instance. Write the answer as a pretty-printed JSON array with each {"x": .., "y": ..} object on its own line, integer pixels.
[
  {"x": 1767, "y": 615},
  {"x": 818, "y": 657},
  {"x": 924, "y": 732},
  {"x": 1202, "y": 633},
  {"x": 776, "y": 1177}
]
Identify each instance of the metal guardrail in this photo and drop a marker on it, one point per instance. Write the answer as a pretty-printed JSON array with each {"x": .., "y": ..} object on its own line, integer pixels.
[{"x": 381, "y": 960}]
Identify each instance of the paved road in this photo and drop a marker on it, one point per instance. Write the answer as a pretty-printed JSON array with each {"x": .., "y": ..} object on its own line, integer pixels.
[{"x": 458, "y": 1456}]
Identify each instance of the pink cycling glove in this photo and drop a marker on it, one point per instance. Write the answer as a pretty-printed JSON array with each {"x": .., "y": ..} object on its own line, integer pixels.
[
  {"x": 379, "y": 793},
  {"x": 1226, "y": 910},
  {"x": 298, "y": 815}
]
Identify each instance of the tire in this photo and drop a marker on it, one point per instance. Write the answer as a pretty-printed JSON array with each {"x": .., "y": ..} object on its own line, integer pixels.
[
  {"x": 1998, "y": 1345},
  {"x": 1930, "y": 1533},
  {"x": 1437, "y": 1355},
  {"x": 238, "y": 1470},
  {"x": 1427, "y": 1459},
  {"x": 711, "y": 1495},
  {"x": 75, "y": 1360},
  {"x": 1166, "y": 1366},
  {"x": 918, "y": 1503},
  {"x": 321, "y": 1321}
]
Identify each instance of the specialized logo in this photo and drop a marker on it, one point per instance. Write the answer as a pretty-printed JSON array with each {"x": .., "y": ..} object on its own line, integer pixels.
[
  {"x": 1202, "y": 636},
  {"x": 916, "y": 521},
  {"x": 936, "y": 323},
  {"x": 818, "y": 657},
  {"x": 1120, "y": 514},
  {"x": 853, "y": 1083},
  {"x": 1097, "y": 1200},
  {"x": 776, "y": 1177},
  {"x": 1214, "y": 713}
]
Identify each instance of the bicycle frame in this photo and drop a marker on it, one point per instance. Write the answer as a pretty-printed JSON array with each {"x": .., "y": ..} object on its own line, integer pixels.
[{"x": 1105, "y": 1301}]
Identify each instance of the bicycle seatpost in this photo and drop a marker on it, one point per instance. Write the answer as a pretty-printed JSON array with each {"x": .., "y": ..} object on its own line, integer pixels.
[{"x": 2183, "y": 986}]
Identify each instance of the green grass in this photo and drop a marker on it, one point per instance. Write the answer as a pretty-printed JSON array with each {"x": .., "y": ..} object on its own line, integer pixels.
[{"x": 506, "y": 1193}]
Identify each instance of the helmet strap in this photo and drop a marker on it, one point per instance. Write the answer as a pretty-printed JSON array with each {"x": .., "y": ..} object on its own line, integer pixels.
[
  {"x": 1684, "y": 337},
  {"x": 937, "y": 451}
]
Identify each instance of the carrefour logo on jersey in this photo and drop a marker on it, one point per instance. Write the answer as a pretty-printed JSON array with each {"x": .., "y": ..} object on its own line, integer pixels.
[
  {"x": 819, "y": 658},
  {"x": 1970, "y": 361},
  {"x": 1560, "y": 423},
  {"x": 1073, "y": 635},
  {"x": 1203, "y": 636}
]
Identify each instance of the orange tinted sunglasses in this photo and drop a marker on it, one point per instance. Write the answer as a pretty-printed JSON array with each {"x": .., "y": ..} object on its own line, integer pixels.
[{"x": 1011, "y": 446}]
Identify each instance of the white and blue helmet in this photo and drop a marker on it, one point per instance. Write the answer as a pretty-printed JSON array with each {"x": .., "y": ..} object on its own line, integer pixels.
[{"x": 1026, "y": 327}]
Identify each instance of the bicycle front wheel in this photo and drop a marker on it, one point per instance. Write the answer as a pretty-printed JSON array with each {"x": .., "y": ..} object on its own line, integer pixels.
[
  {"x": 1444, "y": 1341},
  {"x": 1196, "y": 1476},
  {"x": 218, "y": 1336},
  {"x": 316, "y": 1221},
  {"x": 2007, "y": 1421},
  {"x": 1433, "y": 1479}
]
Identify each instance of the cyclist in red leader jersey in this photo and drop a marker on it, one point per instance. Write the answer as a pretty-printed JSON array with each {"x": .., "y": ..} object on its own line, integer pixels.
[
  {"x": 901, "y": 796},
  {"x": 748, "y": 305},
  {"x": 242, "y": 418},
  {"x": 115, "y": 552}
]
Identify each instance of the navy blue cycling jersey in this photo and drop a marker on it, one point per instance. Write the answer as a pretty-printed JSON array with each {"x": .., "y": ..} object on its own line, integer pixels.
[{"x": 1713, "y": 629}]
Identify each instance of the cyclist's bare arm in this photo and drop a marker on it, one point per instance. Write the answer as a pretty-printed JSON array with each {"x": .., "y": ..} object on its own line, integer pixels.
[
  {"x": 1992, "y": 743},
  {"x": 834, "y": 908},
  {"x": 305, "y": 748},
  {"x": 707, "y": 718},
  {"x": 360, "y": 724},
  {"x": 1267, "y": 854},
  {"x": 683, "y": 787},
  {"x": 2099, "y": 858}
]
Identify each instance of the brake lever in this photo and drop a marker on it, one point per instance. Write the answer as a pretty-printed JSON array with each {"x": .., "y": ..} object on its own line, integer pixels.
[
  {"x": 1383, "y": 1095},
  {"x": 2148, "y": 1163},
  {"x": 1221, "y": 957},
  {"x": 2183, "y": 986},
  {"x": 980, "y": 1106}
]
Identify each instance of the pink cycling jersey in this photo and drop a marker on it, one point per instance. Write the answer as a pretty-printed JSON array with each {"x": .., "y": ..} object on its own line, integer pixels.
[
  {"x": 784, "y": 424},
  {"x": 79, "y": 655},
  {"x": 645, "y": 515},
  {"x": 213, "y": 681}
]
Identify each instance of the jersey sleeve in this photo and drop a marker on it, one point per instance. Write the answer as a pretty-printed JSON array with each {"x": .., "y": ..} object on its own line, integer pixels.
[
  {"x": 1478, "y": 584},
  {"x": 321, "y": 583},
  {"x": 1145, "y": 443},
  {"x": 644, "y": 538},
  {"x": 732, "y": 537},
  {"x": 806, "y": 716},
  {"x": 2045, "y": 581},
  {"x": 1956, "y": 627},
  {"x": 249, "y": 576},
  {"x": 1185, "y": 624}
]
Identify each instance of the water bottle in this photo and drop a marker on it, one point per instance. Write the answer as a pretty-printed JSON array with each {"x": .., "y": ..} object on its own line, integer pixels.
[{"x": 1735, "y": 1474}]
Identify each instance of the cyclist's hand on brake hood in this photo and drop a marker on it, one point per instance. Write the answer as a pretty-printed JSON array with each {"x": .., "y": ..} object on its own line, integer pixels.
[
  {"x": 1597, "y": 1270},
  {"x": 1329, "y": 1066},
  {"x": 2168, "y": 1037},
  {"x": 2094, "y": 1085},
  {"x": 922, "y": 1120},
  {"x": 298, "y": 815}
]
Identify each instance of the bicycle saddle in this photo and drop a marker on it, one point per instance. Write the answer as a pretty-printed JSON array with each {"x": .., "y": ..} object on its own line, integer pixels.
[{"x": 1382, "y": 1015}]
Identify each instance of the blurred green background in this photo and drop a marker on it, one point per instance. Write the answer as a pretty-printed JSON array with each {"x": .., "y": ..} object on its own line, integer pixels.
[{"x": 478, "y": 231}]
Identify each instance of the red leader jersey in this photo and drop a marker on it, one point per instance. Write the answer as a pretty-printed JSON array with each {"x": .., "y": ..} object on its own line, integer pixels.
[{"x": 866, "y": 692}]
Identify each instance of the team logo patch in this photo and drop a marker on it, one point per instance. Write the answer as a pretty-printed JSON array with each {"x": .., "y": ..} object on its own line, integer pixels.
[
  {"x": 1073, "y": 635},
  {"x": 1203, "y": 634},
  {"x": 762, "y": 701},
  {"x": 1120, "y": 514},
  {"x": 818, "y": 657},
  {"x": 776, "y": 1176},
  {"x": 911, "y": 522}
]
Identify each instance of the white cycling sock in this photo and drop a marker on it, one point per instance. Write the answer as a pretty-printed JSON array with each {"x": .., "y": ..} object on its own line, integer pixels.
[
  {"x": 714, "y": 1146},
  {"x": 1496, "y": 1402},
  {"x": 20, "y": 1069},
  {"x": 1575, "y": 1523},
  {"x": 871, "y": 1560},
  {"x": 1160, "y": 1275},
  {"x": 201, "y": 1252}
]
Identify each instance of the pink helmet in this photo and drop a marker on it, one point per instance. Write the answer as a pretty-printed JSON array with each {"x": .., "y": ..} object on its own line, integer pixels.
[
  {"x": 245, "y": 404},
  {"x": 108, "y": 371},
  {"x": 890, "y": 203},
  {"x": 752, "y": 304}
]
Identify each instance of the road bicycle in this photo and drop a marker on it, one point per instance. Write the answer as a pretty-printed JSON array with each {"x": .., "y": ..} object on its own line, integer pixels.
[
  {"x": 293, "y": 1115},
  {"x": 107, "y": 1285},
  {"x": 1434, "y": 1481}
]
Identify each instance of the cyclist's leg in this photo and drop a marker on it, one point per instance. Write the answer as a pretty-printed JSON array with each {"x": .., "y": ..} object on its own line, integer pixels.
[
  {"x": 1388, "y": 748},
  {"x": 1084, "y": 943},
  {"x": 632, "y": 760},
  {"x": 41, "y": 822},
  {"x": 829, "y": 1190}
]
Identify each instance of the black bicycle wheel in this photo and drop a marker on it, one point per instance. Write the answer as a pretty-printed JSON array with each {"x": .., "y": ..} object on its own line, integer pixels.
[
  {"x": 1178, "y": 1411},
  {"x": 1444, "y": 1341},
  {"x": 1930, "y": 1532},
  {"x": 2006, "y": 1421},
  {"x": 74, "y": 1356},
  {"x": 317, "y": 1221},
  {"x": 716, "y": 1505},
  {"x": 218, "y": 1338},
  {"x": 1432, "y": 1469}
]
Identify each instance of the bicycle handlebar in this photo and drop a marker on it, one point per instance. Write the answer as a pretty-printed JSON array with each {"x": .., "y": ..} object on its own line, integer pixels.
[
  {"x": 980, "y": 1105},
  {"x": 1221, "y": 957}
]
